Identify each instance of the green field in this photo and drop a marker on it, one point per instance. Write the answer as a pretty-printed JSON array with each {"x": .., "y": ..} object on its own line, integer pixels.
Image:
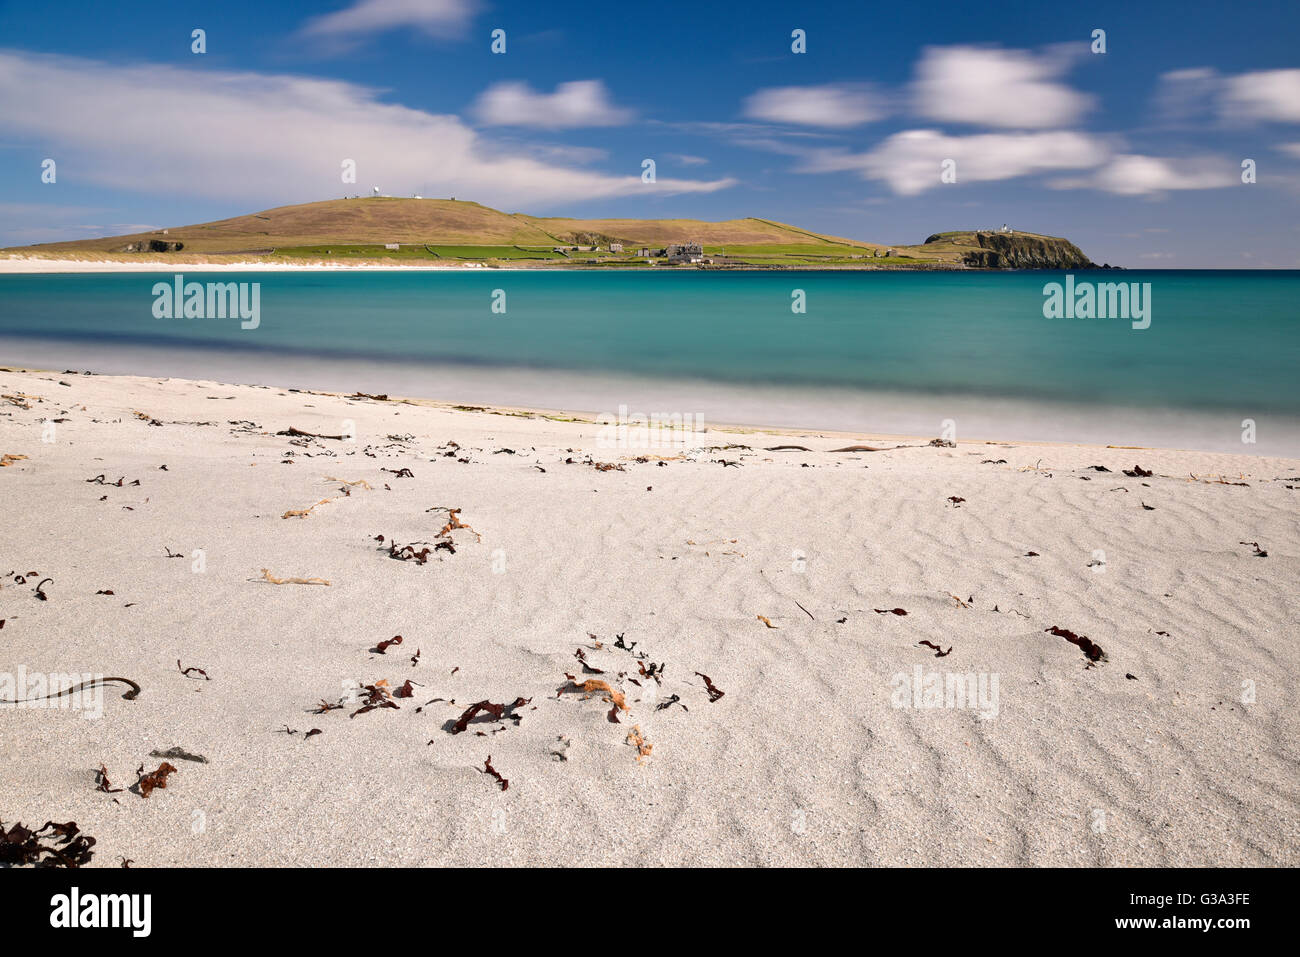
[
  {"x": 792, "y": 254},
  {"x": 494, "y": 252},
  {"x": 802, "y": 250},
  {"x": 408, "y": 252},
  {"x": 358, "y": 251}
]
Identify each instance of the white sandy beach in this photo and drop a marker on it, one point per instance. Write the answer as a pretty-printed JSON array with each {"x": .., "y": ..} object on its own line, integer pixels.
[
  {"x": 14, "y": 264},
  {"x": 1178, "y": 747}
]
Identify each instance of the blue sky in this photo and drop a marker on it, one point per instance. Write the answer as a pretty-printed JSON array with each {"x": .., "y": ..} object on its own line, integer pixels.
[{"x": 1135, "y": 154}]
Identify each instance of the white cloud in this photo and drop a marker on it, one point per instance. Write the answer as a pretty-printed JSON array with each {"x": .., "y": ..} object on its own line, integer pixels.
[
  {"x": 435, "y": 17},
  {"x": 24, "y": 223},
  {"x": 257, "y": 137},
  {"x": 830, "y": 105},
  {"x": 1133, "y": 175},
  {"x": 1290, "y": 149},
  {"x": 574, "y": 104},
  {"x": 1264, "y": 95},
  {"x": 911, "y": 162},
  {"x": 1183, "y": 95},
  {"x": 992, "y": 87}
]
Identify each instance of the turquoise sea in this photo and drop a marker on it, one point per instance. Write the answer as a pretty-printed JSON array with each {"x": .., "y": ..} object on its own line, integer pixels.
[{"x": 876, "y": 352}]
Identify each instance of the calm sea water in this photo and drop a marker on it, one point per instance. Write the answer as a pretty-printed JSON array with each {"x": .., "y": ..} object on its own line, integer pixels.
[{"x": 874, "y": 351}]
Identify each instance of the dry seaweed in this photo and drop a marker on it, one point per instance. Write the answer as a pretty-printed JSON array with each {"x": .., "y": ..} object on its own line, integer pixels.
[
  {"x": 298, "y": 433},
  {"x": 180, "y": 754},
  {"x": 596, "y": 685},
  {"x": 890, "y": 611},
  {"x": 1138, "y": 471},
  {"x": 128, "y": 695},
  {"x": 63, "y": 846},
  {"x": 498, "y": 712},
  {"x": 1259, "y": 552},
  {"x": 405, "y": 553},
  {"x": 1089, "y": 648},
  {"x": 938, "y": 651},
  {"x": 154, "y": 779},
  {"x": 586, "y": 668},
  {"x": 955, "y": 500},
  {"x": 453, "y": 522},
  {"x": 765, "y": 621},
  {"x": 377, "y": 696},
  {"x": 102, "y": 783},
  {"x": 858, "y": 448},
  {"x": 304, "y": 512},
  {"x": 713, "y": 692},
  {"x": 186, "y": 671},
  {"x": 488, "y": 769},
  {"x": 352, "y": 484},
  {"x": 267, "y": 576},
  {"x": 643, "y": 747},
  {"x": 383, "y": 646}
]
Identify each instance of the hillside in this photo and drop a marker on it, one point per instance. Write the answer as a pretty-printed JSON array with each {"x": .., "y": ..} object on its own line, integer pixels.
[
  {"x": 431, "y": 230},
  {"x": 438, "y": 222}
]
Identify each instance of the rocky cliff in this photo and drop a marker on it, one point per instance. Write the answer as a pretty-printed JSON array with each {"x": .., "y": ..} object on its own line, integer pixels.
[{"x": 996, "y": 250}]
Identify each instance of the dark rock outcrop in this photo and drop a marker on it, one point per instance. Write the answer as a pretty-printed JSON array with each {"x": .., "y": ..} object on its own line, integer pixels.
[{"x": 151, "y": 246}]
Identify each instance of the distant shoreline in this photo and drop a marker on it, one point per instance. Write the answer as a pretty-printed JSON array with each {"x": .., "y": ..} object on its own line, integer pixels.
[{"x": 36, "y": 265}]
